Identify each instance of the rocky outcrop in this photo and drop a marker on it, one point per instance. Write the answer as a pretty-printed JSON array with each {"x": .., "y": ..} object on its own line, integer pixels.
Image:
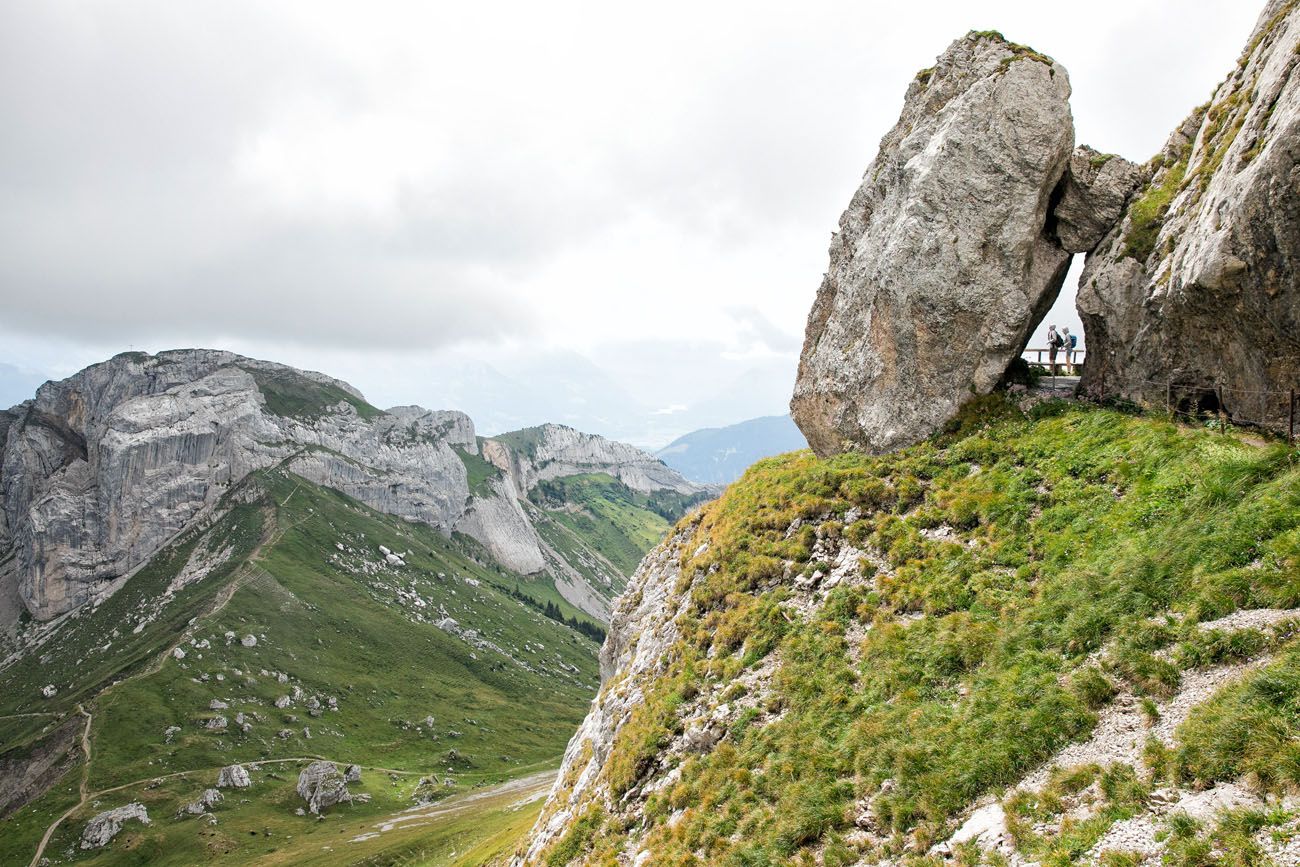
[
  {"x": 104, "y": 827},
  {"x": 1194, "y": 298},
  {"x": 641, "y": 633},
  {"x": 499, "y": 522},
  {"x": 99, "y": 470},
  {"x": 322, "y": 786},
  {"x": 1092, "y": 197},
  {"x": 233, "y": 777},
  {"x": 944, "y": 261},
  {"x": 27, "y": 774},
  {"x": 553, "y": 451}
]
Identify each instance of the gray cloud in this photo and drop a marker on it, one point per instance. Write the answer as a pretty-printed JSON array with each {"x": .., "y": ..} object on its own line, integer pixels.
[{"x": 654, "y": 192}]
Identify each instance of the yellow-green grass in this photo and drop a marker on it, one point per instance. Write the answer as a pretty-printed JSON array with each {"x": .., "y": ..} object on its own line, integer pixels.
[
  {"x": 259, "y": 825},
  {"x": 1064, "y": 534}
]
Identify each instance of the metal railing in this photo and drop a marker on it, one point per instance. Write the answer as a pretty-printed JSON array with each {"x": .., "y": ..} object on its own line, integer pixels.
[{"x": 1070, "y": 359}]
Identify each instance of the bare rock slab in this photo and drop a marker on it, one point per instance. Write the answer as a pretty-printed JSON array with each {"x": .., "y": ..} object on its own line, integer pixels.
[
  {"x": 100, "y": 830},
  {"x": 322, "y": 786},
  {"x": 943, "y": 263}
]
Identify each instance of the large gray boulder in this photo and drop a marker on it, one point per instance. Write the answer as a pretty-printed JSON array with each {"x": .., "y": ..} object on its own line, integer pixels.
[
  {"x": 322, "y": 786},
  {"x": 1198, "y": 288},
  {"x": 943, "y": 263},
  {"x": 233, "y": 777},
  {"x": 105, "y": 826}
]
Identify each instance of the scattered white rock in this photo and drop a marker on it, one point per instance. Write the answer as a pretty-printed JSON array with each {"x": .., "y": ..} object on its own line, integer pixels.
[
  {"x": 49, "y": 690},
  {"x": 104, "y": 827},
  {"x": 249, "y": 641},
  {"x": 178, "y": 653}
]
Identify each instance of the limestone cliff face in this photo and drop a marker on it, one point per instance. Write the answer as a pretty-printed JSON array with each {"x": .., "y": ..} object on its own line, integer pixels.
[
  {"x": 1199, "y": 285},
  {"x": 99, "y": 470},
  {"x": 944, "y": 261},
  {"x": 636, "y": 649},
  {"x": 552, "y": 451}
]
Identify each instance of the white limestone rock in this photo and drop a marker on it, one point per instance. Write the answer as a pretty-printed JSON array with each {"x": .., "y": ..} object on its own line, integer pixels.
[
  {"x": 943, "y": 263},
  {"x": 100, "y": 830},
  {"x": 322, "y": 786},
  {"x": 233, "y": 777}
]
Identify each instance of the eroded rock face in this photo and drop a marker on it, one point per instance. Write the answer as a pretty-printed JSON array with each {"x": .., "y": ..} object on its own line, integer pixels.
[
  {"x": 233, "y": 777},
  {"x": 1091, "y": 198},
  {"x": 100, "y": 830},
  {"x": 943, "y": 263},
  {"x": 1199, "y": 285},
  {"x": 641, "y": 632},
  {"x": 322, "y": 786},
  {"x": 101, "y": 469}
]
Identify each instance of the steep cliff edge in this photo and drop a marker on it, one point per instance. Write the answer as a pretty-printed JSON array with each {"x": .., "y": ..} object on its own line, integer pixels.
[
  {"x": 944, "y": 261},
  {"x": 1198, "y": 288},
  {"x": 1040, "y": 639}
]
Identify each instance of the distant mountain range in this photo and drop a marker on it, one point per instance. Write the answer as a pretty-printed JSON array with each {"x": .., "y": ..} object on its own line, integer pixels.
[{"x": 719, "y": 455}]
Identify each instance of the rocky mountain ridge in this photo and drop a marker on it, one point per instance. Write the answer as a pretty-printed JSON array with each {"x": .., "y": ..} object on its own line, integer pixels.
[
  {"x": 102, "y": 468},
  {"x": 719, "y": 455}
]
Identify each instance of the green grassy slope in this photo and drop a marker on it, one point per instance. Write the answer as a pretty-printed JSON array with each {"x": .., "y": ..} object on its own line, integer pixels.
[
  {"x": 1027, "y": 569},
  {"x": 332, "y": 620},
  {"x": 601, "y": 526}
]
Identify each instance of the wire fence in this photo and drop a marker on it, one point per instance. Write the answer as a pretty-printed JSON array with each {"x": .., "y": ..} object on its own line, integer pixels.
[{"x": 1219, "y": 405}]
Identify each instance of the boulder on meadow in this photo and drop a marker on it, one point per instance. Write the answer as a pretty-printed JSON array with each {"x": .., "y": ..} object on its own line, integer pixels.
[
  {"x": 100, "y": 830},
  {"x": 322, "y": 786}
]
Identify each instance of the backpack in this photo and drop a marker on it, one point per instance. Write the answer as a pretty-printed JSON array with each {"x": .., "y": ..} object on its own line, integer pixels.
[{"x": 1074, "y": 340}]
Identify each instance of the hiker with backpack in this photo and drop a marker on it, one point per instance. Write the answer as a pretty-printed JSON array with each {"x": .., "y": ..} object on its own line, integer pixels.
[
  {"x": 1054, "y": 343},
  {"x": 1068, "y": 342}
]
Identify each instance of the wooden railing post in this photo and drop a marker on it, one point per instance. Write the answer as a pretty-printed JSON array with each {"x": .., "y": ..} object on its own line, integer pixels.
[{"x": 1290, "y": 425}]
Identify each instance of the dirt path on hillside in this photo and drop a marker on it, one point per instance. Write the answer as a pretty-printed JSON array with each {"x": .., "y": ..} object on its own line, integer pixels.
[
  {"x": 528, "y": 789},
  {"x": 82, "y": 788},
  {"x": 246, "y": 574}
]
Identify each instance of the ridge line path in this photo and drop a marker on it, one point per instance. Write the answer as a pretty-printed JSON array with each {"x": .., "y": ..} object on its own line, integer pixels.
[{"x": 223, "y": 596}]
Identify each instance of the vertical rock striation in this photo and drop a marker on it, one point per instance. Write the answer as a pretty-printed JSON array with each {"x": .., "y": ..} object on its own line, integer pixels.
[
  {"x": 99, "y": 470},
  {"x": 1198, "y": 286},
  {"x": 944, "y": 262}
]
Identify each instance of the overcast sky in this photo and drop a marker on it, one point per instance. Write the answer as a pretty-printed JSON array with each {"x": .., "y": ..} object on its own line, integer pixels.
[{"x": 418, "y": 197}]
